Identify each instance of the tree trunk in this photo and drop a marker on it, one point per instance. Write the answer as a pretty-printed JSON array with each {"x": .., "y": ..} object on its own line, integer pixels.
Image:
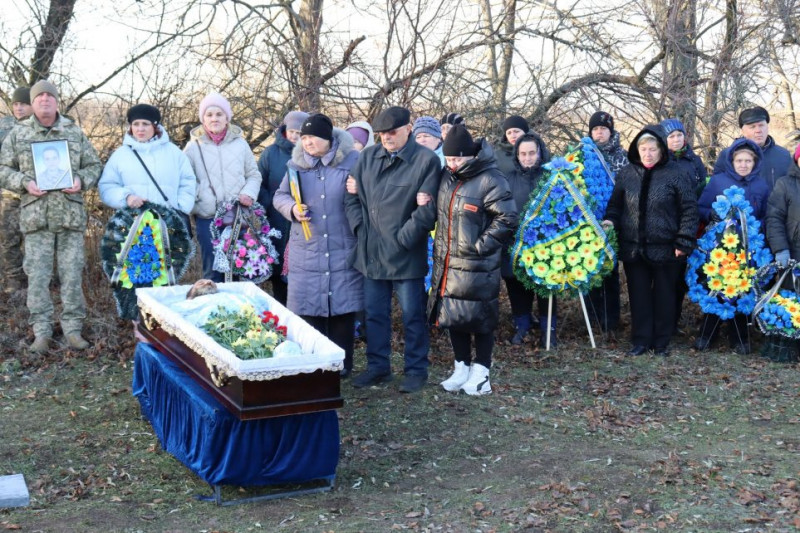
[
  {"x": 55, "y": 27},
  {"x": 310, "y": 77},
  {"x": 680, "y": 76}
]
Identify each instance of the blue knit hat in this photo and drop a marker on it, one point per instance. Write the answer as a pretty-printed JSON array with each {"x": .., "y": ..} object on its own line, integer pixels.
[
  {"x": 672, "y": 124},
  {"x": 427, "y": 125}
]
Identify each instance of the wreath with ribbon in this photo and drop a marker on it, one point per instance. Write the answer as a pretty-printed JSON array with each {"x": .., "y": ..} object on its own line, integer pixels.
[
  {"x": 777, "y": 310},
  {"x": 591, "y": 175},
  {"x": 242, "y": 239},
  {"x": 560, "y": 246},
  {"x": 721, "y": 272},
  {"x": 147, "y": 246}
]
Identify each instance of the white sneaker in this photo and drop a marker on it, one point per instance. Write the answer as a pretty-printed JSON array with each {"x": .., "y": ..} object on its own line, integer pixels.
[
  {"x": 478, "y": 382},
  {"x": 457, "y": 378}
]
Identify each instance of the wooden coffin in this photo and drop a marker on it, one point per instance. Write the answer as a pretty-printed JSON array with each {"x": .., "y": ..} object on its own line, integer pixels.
[{"x": 292, "y": 392}]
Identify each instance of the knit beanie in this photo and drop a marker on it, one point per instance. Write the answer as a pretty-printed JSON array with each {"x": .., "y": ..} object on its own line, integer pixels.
[
  {"x": 601, "y": 118},
  {"x": 215, "y": 100},
  {"x": 672, "y": 124},
  {"x": 452, "y": 119},
  {"x": 797, "y": 153},
  {"x": 459, "y": 143},
  {"x": 294, "y": 119},
  {"x": 43, "y": 86},
  {"x": 427, "y": 125},
  {"x": 359, "y": 134},
  {"x": 319, "y": 126},
  {"x": 22, "y": 95},
  {"x": 753, "y": 114},
  {"x": 514, "y": 121},
  {"x": 144, "y": 112}
]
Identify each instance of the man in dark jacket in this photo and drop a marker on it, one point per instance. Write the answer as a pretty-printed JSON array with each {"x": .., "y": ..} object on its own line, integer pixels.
[
  {"x": 272, "y": 165},
  {"x": 754, "y": 125},
  {"x": 391, "y": 210}
]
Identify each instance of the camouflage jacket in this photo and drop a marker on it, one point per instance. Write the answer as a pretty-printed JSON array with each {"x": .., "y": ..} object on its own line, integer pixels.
[
  {"x": 6, "y": 123},
  {"x": 55, "y": 210}
]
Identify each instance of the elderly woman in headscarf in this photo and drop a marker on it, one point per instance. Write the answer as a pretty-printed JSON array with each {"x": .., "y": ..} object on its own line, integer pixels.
[
  {"x": 654, "y": 210},
  {"x": 225, "y": 170}
]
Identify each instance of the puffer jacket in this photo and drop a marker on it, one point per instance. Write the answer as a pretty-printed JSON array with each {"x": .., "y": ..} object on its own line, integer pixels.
[
  {"x": 756, "y": 191},
  {"x": 692, "y": 164},
  {"x": 223, "y": 171},
  {"x": 653, "y": 210},
  {"x": 321, "y": 282},
  {"x": 476, "y": 219},
  {"x": 776, "y": 162},
  {"x": 523, "y": 181},
  {"x": 124, "y": 174},
  {"x": 615, "y": 155},
  {"x": 505, "y": 155},
  {"x": 783, "y": 214},
  {"x": 272, "y": 166}
]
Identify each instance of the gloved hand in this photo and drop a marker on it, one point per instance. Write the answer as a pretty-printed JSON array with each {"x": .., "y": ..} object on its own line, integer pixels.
[{"x": 782, "y": 258}]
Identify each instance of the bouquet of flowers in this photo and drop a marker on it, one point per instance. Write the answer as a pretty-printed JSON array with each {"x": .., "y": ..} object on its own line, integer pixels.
[
  {"x": 148, "y": 246},
  {"x": 591, "y": 175},
  {"x": 245, "y": 333},
  {"x": 242, "y": 239},
  {"x": 777, "y": 311},
  {"x": 560, "y": 246},
  {"x": 722, "y": 269}
]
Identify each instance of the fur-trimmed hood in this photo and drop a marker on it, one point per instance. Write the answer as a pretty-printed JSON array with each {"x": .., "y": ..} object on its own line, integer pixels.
[{"x": 342, "y": 144}]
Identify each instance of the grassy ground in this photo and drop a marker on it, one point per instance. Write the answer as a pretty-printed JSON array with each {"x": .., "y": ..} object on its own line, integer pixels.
[{"x": 571, "y": 440}]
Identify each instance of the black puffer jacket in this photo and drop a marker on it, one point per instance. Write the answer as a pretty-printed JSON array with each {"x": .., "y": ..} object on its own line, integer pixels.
[
  {"x": 692, "y": 164},
  {"x": 505, "y": 155},
  {"x": 523, "y": 181},
  {"x": 476, "y": 219},
  {"x": 653, "y": 210},
  {"x": 783, "y": 214}
]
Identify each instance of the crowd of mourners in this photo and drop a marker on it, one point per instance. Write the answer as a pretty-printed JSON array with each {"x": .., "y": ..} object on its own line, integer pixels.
[{"x": 371, "y": 207}]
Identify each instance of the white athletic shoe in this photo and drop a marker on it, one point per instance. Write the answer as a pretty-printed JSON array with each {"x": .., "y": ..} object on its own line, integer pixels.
[
  {"x": 457, "y": 378},
  {"x": 478, "y": 382}
]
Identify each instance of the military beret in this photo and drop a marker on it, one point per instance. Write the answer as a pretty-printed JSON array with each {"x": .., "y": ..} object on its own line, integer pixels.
[{"x": 391, "y": 118}]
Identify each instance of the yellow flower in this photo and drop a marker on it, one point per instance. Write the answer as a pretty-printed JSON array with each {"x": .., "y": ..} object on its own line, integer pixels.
[
  {"x": 572, "y": 156},
  {"x": 796, "y": 320},
  {"x": 558, "y": 249},
  {"x": 542, "y": 253},
  {"x": 541, "y": 269},
  {"x": 792, "y": 307},
  {"x": 730, "y": 240},
  {"x": 579, "y": 274},
  {"x": 741, "y": 256},
  {"x": 558, "y": 264},
  {"x": 730, "y": 291},
  {"x": 528, "y": 257},
  {"x": 744, "y": 285},
  {"x": 717, "y": 255},
  {"x": 587, "y": 234},
  {"x": 552, "y": 278},
  {"x": 586, "y": 250},
  {"x": 715, "y": 284},
  {"x": 590, "y": 262},
  {"x": 710, "y": 269},
  {"x": 573, "y": 258},
  {"x": 572, "y": 242}
]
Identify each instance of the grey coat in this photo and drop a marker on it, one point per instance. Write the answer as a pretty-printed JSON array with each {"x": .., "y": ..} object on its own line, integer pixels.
[
  {"x": 321, "y": 282},
  {"x": 392, "y": 230}
]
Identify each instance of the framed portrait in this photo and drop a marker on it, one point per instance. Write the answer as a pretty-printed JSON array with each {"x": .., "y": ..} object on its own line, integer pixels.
[{"x": 52, "y": 165}]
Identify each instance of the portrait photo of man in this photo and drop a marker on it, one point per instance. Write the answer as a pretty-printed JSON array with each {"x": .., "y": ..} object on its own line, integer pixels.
[{"x": 51, "y": 164}]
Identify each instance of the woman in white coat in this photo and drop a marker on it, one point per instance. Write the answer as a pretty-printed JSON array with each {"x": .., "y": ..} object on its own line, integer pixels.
[{"x": 225, "y": 170}]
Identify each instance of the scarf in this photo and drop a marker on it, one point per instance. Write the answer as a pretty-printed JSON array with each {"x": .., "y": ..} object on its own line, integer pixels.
[{"x": 216, "y": 137}]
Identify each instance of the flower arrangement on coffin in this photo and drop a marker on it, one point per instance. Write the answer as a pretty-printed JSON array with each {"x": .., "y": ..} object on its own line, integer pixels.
[
  {"x": 591, "y": 175},
  {"x": 777, "y": 311},
  {"x": 560, "y": 247},
  {"x": 251, "y": 254},
  {"x": 721, "y": 271},
  {"x": 148, "y": 246},
  {"x": 245, "y": 333}
]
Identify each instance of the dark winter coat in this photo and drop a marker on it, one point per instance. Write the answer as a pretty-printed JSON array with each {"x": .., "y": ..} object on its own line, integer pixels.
[
  {"x": 321, "y": 283},
  {"x": 392, "y": 230},
  {"x": 777, "y": 162},
  {"x": 755, "y": 188},
  {"x": 615, "y": 155},
  {"x": 653, "y": 210},
  {"x": 272, "y": 166},
  {"x": 523, "y": 181},
  {"x": 783, "y": 214},
  {"x": 476, "y": 220},
  {"x": 505, "y": 155},
  {"x": 693, "y": 165}
]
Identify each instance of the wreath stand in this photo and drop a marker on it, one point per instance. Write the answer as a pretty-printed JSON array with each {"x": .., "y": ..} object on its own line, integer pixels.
[{"x": 550, "y": 321}]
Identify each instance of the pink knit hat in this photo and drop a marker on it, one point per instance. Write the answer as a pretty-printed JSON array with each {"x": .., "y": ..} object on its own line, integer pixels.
[{"x": 215, "y": 100}]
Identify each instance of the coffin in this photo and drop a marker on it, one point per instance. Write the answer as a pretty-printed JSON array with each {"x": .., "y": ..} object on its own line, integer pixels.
[{"x": 250, "y": 389}]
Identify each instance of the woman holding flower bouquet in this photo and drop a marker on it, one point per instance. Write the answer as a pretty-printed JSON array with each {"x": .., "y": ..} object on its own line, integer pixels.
[
  {"x": 225, "y": 169},
  {"x": 323, "y": 289},
  {"x": 476, "y": 219},
  {"x": 654, "y": 210},
  {"x": 742, "y": 168}
]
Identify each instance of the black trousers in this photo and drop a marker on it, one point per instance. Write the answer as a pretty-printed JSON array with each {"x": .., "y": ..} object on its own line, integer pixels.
[
  {"x": 651, "y": 290},
  {"x": 521, "y": 299},
  {"x": 339, "y": 329},
  {"x": 462, "y": 346},
  {"x": 604, "y": 301}
]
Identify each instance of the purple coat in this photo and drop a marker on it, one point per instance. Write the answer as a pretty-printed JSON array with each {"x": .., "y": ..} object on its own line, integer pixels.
[{"x": 320, "y": 281}]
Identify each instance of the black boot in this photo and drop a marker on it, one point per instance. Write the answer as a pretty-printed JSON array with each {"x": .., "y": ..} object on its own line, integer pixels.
[{"x": 522, "y": 324}]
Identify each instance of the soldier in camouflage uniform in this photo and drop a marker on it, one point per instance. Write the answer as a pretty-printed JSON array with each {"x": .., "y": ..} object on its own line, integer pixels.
[
  {"x": 10, "y": 234},
  {"x": 53, "y": 222}
]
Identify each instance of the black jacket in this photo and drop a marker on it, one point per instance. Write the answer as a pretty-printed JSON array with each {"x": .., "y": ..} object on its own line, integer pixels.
[
  {"x": 272, "y": 166},
  {"x": 616, "y": 157},
  {"x": 693, "y": 165},
  {"x": 783, "y": 214},
  {"x": 476, "y": 220},
  {"x": 523, "y": 181},
  {"x": 391, "y": 228},
  {"x": 505, "y": 156},
  {"x": 653, "y": 210}
]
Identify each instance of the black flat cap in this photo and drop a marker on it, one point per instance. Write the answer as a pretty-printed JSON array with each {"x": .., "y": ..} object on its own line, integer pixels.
[
  {"x": 391, "y": 118},
  {"x": 753, "y": 114}
]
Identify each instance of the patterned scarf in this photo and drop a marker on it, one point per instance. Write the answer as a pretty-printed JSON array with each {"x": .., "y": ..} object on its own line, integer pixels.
[{"x": 216, "y": 137}]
